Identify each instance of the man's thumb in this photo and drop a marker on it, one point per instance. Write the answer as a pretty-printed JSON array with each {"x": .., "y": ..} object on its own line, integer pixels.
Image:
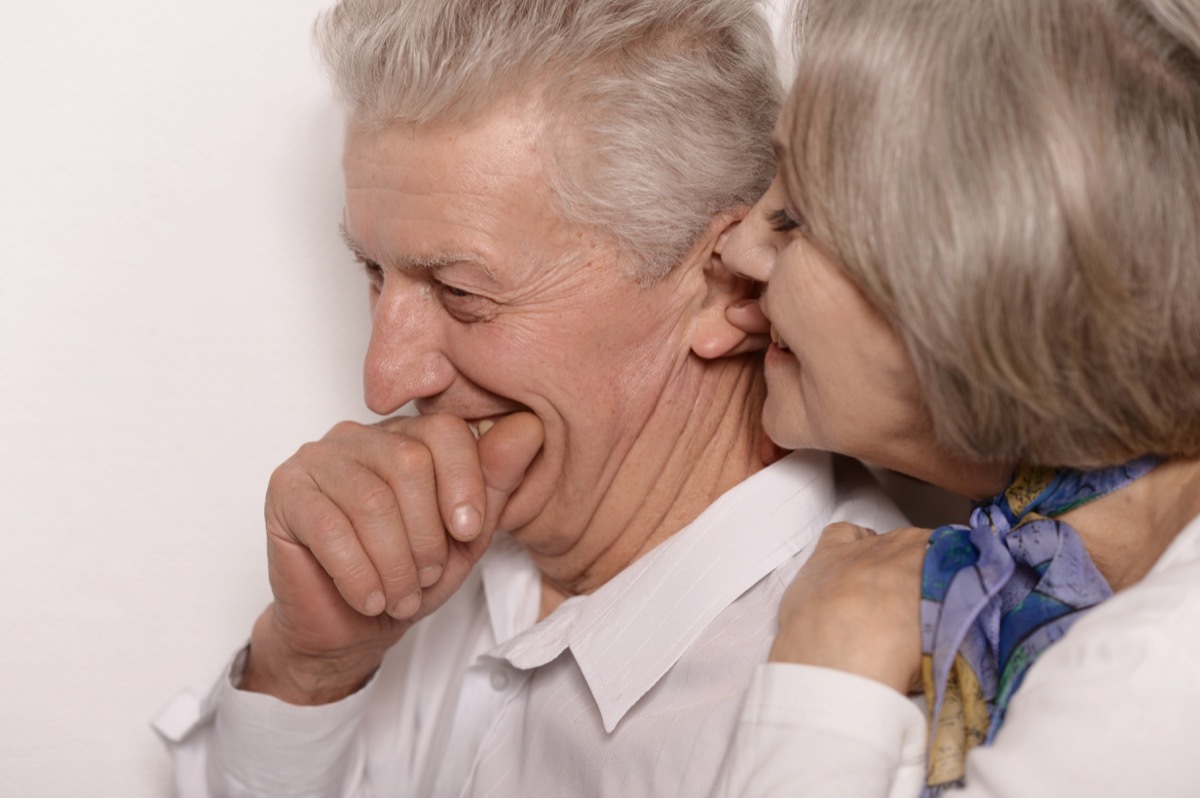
[{"x": 505, "y": 452}]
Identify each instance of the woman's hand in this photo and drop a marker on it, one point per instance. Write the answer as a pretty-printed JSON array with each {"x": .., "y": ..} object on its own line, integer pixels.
[{"x": 855, "y": 606}]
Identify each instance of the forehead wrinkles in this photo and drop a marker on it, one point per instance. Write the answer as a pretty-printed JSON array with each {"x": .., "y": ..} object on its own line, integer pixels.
[
  {"x": 486, "y": 177},
  {"x": 484, "y": 155},
  {"x": 523, "y": 242}
]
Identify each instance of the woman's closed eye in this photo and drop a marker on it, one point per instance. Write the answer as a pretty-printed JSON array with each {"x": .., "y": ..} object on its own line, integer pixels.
[{"x": 783, "y": 221}]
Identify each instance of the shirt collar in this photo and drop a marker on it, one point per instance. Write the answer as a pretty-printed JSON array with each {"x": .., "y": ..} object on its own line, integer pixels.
[{"x": 630, "y": 632}]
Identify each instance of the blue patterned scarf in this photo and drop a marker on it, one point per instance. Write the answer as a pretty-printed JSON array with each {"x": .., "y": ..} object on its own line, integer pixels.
[{"x": 995, "y": 594}]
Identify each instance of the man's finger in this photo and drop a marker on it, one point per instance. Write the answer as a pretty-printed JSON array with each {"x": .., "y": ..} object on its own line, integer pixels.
[
  {"x": 318, "y": 524},
  {"x": 424, "y": 530},
  {"x": 456, "y": 469}
]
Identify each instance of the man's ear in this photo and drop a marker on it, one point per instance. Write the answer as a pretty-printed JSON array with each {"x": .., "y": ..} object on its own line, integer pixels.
[{"x": 713, "y": 336}]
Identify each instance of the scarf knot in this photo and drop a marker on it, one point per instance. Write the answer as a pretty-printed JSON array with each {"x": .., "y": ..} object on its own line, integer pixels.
[{"x": 995, "y": 594}]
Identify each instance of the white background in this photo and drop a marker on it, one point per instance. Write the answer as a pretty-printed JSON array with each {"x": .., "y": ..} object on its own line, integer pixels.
[{"x": 177, "y": 315}]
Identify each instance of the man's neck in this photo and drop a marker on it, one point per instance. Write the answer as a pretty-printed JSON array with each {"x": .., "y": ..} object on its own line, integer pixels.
[{"x": 699, "y": 442}]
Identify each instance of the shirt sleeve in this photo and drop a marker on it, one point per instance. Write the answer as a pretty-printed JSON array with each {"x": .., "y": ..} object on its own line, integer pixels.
[
  {"x": 233, "y": 743},
  {"x": 1109, "y": 711},
  {"x": 820, "y": 732}
]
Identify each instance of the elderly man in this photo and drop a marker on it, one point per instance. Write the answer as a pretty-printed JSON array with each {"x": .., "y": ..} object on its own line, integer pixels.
[{"x": 538, "y": 192}]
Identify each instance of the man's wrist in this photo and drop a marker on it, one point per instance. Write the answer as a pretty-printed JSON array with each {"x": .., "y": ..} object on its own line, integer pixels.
[{"x": 273, "y": 668}]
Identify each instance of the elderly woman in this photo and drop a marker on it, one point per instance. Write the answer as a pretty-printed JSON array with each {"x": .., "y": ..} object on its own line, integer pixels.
[{"x": 982, "y": 268}]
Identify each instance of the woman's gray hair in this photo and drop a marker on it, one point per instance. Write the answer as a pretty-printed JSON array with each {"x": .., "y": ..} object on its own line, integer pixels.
[
  {"x": 1015, "y": 184},
  {"x": 658, "y": 112}
]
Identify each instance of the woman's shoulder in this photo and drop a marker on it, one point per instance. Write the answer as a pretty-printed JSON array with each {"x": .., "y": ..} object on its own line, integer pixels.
[
  {"x": 1116, "y": 699},
  {"x": 1157, "y": 617},
  {"x": 1176, "y": 574},
  {"x": 1184, "y": 551}
]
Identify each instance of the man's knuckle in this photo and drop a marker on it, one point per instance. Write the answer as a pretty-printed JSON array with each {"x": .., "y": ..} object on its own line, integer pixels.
[
  {"x": 287, "y": 474},
  {"x": 326, "y": 528},
  {"x": 307, "y": 455},
  {"x": 377, "y": 502},
  {"x": 343, "y": 429},
  {"x": 412, "y": 457}
]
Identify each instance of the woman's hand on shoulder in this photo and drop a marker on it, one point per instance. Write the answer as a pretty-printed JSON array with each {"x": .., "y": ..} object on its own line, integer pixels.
[{"x": 855, "y": 606}]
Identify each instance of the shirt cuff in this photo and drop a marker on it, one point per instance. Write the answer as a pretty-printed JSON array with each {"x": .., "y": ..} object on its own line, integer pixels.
[
  {"x": 253, "y": 744},
  {"x": 822, "y": 733},
  {"x": 788, "y": 694}
]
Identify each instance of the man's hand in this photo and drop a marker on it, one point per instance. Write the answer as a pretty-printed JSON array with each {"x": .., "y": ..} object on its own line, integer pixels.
[
  {"x": 855, "y": 606},
  {"x": 369, "y": 530}
]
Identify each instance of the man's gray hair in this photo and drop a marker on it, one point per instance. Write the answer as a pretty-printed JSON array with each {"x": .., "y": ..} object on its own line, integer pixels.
[
  {"x": 1015, "y": 184},
  {"x": 658, "y": 112}
]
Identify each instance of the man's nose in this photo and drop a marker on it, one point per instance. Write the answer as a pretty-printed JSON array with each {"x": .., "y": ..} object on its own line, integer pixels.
[{"x": 406, "y": 358}]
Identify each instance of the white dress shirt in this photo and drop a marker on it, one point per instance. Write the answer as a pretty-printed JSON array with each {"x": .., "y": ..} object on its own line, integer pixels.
[
  {"x": 633, "y": 690},
  {"x": 1110, "y": 710}
]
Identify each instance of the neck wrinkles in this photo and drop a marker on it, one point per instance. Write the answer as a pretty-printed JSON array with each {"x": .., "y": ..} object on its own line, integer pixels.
[
  {"x": 1127, "y": 531},
  {"x": 700, "y": 441}
]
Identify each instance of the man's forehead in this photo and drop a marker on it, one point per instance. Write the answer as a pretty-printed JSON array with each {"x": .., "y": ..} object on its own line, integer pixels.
[
  {"x": 446, "y": 195},
  {"x": 507, "y": 135}
]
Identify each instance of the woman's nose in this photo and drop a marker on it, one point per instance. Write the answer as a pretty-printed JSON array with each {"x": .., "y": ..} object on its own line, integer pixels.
[{"x": 747, "y": 248}]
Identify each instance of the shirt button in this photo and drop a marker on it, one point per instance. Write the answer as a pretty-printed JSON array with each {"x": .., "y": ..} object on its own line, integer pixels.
[{"x": 499, "y": 680}]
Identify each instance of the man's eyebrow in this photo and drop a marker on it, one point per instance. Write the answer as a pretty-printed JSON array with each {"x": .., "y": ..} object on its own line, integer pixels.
[
  {"x": 414, "y": 262},
  {"x": 349, "y": 241}
]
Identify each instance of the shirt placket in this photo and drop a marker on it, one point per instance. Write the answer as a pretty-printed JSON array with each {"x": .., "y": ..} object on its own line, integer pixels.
[{"x": 489, "y": 686}]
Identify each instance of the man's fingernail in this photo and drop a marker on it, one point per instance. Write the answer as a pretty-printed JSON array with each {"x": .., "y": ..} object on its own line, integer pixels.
[
  {"x": 375, "y": 603},
  {"x": 465, "y": 522},
  {"x": 429, "y": 575},
  {"x": 407, "y": 606}
]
